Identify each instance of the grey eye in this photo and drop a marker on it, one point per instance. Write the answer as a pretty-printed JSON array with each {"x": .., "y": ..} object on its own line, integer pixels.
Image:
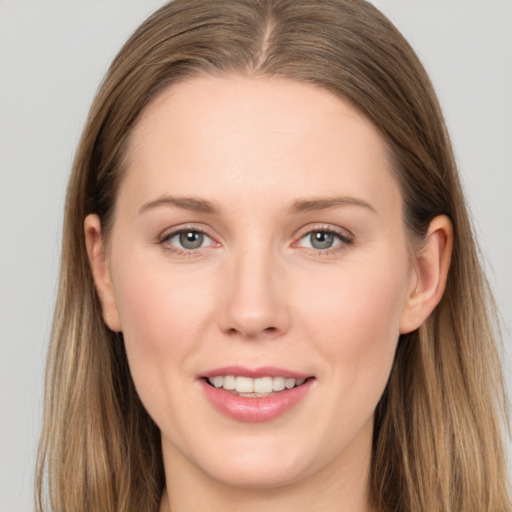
[
  {"x": 191, "y": 239},
  {"x": 184, "y": 241},
  {"x": 322, "y": 239}
]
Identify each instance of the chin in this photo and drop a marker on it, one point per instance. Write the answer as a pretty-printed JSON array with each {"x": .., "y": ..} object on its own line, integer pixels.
[
  {"x": 272, "y": 474},
  {"x": 252, "y": 461}
]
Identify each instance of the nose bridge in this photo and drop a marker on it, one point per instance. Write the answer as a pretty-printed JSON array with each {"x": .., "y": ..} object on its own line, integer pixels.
[{"x": 254, "y": 304}]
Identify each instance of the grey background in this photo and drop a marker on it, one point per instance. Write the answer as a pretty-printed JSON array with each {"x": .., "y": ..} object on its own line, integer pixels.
[{"x": 52, "y": 57}]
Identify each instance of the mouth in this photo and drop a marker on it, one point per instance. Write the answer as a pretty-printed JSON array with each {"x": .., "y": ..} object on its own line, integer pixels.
[
  {"x": 255, "y": 394},
  {"x": 259, "y": 387}
]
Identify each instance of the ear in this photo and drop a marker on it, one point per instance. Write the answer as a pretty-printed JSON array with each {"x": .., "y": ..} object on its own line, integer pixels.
[
  {"x": 430, "y": 272},
  {"x": 100, "y": 271}
]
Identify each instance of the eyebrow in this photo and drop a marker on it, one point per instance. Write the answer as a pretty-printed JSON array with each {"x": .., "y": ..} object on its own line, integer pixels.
[
  {"x": 299, "y": 206},
  {"x": 188, "y": 203},
  {"x": 324, "y": 203}
]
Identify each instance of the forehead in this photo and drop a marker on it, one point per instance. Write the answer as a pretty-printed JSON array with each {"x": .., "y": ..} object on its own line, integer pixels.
[{"x": 238, "y": 137}]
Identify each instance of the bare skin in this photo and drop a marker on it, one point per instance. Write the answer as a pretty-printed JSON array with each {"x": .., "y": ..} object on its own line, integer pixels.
[{"x": 259, "y": 224}]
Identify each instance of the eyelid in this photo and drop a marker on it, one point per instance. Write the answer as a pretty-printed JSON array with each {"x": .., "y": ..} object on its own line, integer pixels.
[
  {"x": 344, "y": 235},
  {"x": 170, "y": 233}
]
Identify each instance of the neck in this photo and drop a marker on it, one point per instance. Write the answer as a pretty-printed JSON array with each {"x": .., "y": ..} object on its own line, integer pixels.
[{"x": 284, "y": 500}]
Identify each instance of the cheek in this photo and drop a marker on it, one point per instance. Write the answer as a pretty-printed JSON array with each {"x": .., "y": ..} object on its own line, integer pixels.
[
  {"x": 355, "y": 318},
  {"x": 158, "y": 304},
  {"x": 161, "y": 314}
]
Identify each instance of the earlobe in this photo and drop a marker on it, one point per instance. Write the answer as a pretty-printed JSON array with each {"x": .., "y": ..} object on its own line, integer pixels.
[
  {"x": 94, "y": 242},
  {"x": 431, "y": 266}
]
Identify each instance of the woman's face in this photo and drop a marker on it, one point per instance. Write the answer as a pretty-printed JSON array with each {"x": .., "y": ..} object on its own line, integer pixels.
[{"x": 258, "y": 243}]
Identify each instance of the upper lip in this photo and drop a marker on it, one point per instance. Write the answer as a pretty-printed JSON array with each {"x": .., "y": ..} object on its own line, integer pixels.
[{"x": 254, "y": 373}]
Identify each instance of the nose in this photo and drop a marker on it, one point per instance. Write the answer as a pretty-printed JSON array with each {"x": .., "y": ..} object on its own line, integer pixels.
[{"x": 254, "y": 304}]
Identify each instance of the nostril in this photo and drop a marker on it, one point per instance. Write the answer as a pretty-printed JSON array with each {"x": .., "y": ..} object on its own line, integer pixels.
[{"x": 267, "y": 331}]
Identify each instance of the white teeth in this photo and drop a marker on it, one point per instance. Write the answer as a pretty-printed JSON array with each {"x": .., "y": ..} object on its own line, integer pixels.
[
  {"x": 229, "y": 382},
  {"x": 278, "y": 383},
  {"x": 262, "y": 386},
  {"x": 289, "y": 383},
  {"x": 244, "y": 385},
  {"x": 218, "y": 381}
]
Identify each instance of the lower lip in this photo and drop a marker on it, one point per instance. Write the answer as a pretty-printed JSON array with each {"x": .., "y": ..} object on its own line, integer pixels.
[{"x": 255, "y": 410}]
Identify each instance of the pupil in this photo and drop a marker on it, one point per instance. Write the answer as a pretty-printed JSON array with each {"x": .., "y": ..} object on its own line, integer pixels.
[
  {"x": 191, "y": 239},
  {"x": 322, "y": 239}
]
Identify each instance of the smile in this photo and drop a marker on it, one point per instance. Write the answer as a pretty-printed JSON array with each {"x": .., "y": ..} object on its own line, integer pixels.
[
  {"x": 254, "y": 388},
  {"x": 255, "y": 395}
]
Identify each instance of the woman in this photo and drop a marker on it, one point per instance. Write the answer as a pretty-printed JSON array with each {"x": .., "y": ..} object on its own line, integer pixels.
[{"x": 270, "y": 304}]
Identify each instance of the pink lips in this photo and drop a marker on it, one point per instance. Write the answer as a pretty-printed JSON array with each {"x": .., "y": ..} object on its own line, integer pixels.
[{"x": 254, "y": 410}]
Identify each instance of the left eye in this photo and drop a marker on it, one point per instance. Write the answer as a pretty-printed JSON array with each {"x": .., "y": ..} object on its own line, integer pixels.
[
  {"x": 189, "y": 239},
  {"x": 322, "y": 239}
]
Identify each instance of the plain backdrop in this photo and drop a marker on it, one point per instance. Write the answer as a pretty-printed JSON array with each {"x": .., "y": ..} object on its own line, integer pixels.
[{"x": 53, "y": 55}]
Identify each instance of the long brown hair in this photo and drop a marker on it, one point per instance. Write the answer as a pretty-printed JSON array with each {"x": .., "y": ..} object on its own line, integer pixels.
[{"x": 437, "y": 443}]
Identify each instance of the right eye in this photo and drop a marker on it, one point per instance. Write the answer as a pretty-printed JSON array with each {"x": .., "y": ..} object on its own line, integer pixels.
[{"x": 186, "y": 240}]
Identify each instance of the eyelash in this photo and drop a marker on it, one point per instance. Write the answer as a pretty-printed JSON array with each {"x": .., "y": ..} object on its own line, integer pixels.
[
  {"x": 344, "y": 239},
  {"x": 167, "y": 237}
]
